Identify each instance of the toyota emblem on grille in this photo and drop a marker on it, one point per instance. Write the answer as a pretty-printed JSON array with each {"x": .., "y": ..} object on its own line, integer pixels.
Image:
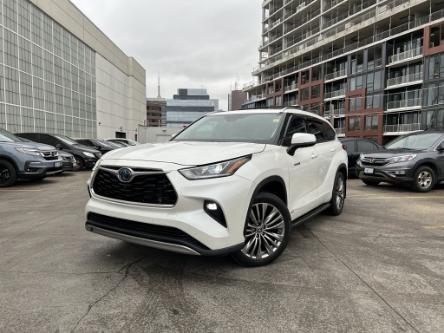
[{"x": 125, "y": 175}]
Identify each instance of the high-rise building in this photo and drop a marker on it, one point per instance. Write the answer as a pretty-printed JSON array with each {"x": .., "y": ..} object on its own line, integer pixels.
[
  {"x": 188, "y": 105},
  {"x": 155, "y": 112},
  {"x": 374, "y": 67},
  {"x": 60, "y": 74},
  {"x": 236, "y": 99}
]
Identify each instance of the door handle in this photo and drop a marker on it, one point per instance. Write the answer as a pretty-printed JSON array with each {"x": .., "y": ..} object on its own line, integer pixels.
[{"x": 313, "y": 156}]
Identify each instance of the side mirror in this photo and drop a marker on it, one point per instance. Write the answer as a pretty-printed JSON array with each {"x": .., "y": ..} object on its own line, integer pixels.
[
  {"x": 300, "y": 140},
  {"x": 440, "y": 147},
  {"x": 59, "y": 146}
]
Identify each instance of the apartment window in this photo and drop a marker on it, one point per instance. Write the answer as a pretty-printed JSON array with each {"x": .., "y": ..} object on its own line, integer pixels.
[
  {"x": 316, "y": 92},
  {"x": 357, "y": 62},
  {"x": 355, "y": 103},
  {"x": 356, "y": 83},
  {"x": 371, "y": 122},
  {"x": 354, "y": 124},
  {"x": 436, "y": 67},
  {"x": 374, "y": 101},
  {"x": 305, "y": 94},
  {"x": 374, "y": 57},
  {"x": 434, "y": 94},
  {"x": 315, "y": 74},
  {"x": 305, "y": 77},
  {"x": 437, "y": 35}
]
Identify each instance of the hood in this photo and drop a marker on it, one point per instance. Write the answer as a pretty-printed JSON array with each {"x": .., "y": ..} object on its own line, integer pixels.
[
  {"x": 84, "y": 148},
  {"x": 31, "y": 145},
  {"x": 387, "y": 153},
  {"x": 185, "y": 153}
]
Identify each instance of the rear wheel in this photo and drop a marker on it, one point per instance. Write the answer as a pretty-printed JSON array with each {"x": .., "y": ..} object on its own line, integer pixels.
[
  {"x": 338, "y": 196},
  {"x": 266, "y": 231},
  {"x": 8, "y": 174},
  {"x": 424, "y": 179},
  {"x": 371, "y": 182}
]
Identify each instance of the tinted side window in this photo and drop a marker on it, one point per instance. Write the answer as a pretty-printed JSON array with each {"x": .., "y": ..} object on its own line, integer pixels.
[
  {"x": 48, "y": 139},
  {"x": 296, "y": 124},
  {"x": 366, "y": 146},
  {"x": 321, "y": 130}
]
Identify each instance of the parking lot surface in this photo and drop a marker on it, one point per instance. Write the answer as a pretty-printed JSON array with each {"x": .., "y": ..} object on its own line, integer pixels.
[{"x": 379, "y": 267}]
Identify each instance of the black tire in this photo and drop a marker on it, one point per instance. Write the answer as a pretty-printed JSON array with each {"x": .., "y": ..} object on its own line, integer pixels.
[
  {"x": 371, "y": 182},
  {"x": 338, "y": 195},
  {"x": 267, "y": 239},
  {"x": 80, "y": 162},
  {"x": 425, "y": 179},
  {"x": 8, "y": 174}
]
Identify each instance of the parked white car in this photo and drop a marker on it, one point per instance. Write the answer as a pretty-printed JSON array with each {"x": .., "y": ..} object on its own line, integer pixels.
[{"x": 230, "y": 183}]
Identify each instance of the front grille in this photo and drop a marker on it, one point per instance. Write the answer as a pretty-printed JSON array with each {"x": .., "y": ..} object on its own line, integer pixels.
[
  {"x": 144, "y": 230},
  {"x": 373, "y": 161},
  {"x": 149, "y": 189},
  {"x": 50, "y": 155}
]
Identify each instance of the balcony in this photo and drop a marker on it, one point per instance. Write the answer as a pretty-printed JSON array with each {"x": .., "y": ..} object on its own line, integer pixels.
[
  {"x": 291, "y": 87},
  {"x": 335, "y": 94},
  {"x": 405, "y": 56},
  {"x": 412, "y": 103},
  {"x": 335, "y": 75},
  {"x": 404, "y": 80},
  {"x": 339, "y": 112},
  {"x": 401, "y": 128}
]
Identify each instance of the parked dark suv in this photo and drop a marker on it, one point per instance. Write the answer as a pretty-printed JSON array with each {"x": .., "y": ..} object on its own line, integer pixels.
[
  {"x": 416, "y": 160},
  {"x": 355, "y": 147},
  {"x": 85, "y": 157}
]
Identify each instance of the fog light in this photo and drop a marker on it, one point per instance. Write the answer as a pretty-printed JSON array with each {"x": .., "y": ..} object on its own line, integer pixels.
[
  {"x": 400, "y": 172},
  {"x": 214, "y": 210}
]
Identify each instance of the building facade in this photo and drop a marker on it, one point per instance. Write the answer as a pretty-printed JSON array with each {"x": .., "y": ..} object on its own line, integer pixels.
[
  {"x": 375, "y": 68},
  {"x": 236, "y": 99},
  {"x": 155, "y": 112},
  {"x": 60, "y": 74},
  {"x": 189, "y": 105}
]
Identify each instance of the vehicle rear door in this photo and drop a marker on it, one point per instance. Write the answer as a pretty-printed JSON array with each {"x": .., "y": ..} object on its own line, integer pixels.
[
  {"x": 440, "y": 161},
  {"x": 302, "y": 170},
  {"x": 325, "y": 149}
]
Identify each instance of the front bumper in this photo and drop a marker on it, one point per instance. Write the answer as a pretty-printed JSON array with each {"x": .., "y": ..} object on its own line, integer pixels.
[
  {"x": 203, "y": 234},
  {"x": 397, "y": 173},
  {"x": 41, "y": 168}
]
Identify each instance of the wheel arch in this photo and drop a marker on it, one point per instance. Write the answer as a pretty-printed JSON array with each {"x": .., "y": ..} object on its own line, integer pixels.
[
  {"x": 428, "y": 163},
  {"x": 10, "y": 160},
  {"x": 274, "y": 185}
]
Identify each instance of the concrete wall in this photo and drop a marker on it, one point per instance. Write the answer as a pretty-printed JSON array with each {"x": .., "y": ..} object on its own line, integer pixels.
[
  {"x": 156, "y": 134},
  {"x": 121, "y": 80},
  {"x": 120, "y": 101}
]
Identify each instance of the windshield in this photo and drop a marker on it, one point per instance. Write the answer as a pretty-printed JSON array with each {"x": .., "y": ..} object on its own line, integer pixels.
[
  {"x": 416, "y": 141},
  {"x": 5, "y": 136},
  {"x": 66, "y": 140},
  {"x": 232, "y": 127}
]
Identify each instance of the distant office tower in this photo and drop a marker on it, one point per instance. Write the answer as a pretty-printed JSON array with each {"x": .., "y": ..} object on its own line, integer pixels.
[
  {"x": 375, "y": 66},
  {"x": 189, "y": 105},
  {"x": 236, "y": 99}
]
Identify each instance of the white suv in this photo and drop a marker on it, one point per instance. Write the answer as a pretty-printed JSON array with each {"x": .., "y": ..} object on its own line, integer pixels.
[{"x": 231, "y": 183}]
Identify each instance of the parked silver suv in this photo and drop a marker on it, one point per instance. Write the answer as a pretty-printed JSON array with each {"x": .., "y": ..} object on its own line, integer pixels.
[{"x": 20, "y": 159}]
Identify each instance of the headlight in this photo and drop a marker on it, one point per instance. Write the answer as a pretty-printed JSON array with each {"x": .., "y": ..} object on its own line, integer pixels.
[
  {"x": 29, "y": 151},
  {"x": 216, "y": 170},
  {"x": 403, "y": 158},
  {"x": 88, "y": 154}
]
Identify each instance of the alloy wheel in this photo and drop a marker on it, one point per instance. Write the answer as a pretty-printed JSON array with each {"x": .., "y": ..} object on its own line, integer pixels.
[
  {"x": 4, "y": 176},
  {"x": 264, "y": 232},
  {"x": 425, "y": 179},
  {"x": 340, "y": 192}
]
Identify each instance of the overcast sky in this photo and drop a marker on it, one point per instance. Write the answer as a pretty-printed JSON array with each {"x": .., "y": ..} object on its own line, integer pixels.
[{"x": 189, "y": 43}]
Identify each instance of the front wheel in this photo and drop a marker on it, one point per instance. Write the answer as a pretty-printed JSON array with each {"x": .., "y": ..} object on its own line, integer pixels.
[
  {"x": 80, "y": 163},
  {"x": 338, "y": 195},
  {"x": 8, "y": 175},
  {"x": 266, "y": 231},
  {"x": 424, "y": 179}
]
